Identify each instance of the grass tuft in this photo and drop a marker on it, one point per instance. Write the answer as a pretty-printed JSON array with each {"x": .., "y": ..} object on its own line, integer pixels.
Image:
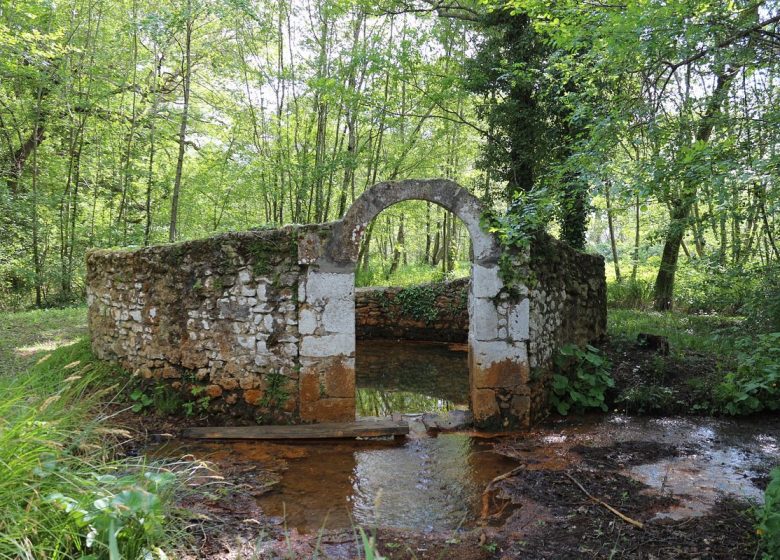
[{"x": 63, "y": 494}]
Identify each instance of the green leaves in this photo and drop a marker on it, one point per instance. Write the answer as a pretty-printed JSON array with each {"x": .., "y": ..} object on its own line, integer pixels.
[
  {"x": 581, "y": 378},
  {"x": 768, "y": 517},
  {"x": 755, "y": 384},
  {"x": 121, "y": 515}
]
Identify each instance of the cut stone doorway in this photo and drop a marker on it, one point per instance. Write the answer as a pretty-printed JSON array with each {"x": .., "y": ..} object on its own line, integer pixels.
[{"x": 498, "y": 315}]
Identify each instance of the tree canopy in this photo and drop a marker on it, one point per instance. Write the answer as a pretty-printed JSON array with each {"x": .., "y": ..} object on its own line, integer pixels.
[{"x": 644, "y": 130}]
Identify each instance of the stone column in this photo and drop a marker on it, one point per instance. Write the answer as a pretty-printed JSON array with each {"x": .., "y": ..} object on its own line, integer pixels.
[
  {"x": 498, "y": 350},
  {"x": 326, "y": 323}
]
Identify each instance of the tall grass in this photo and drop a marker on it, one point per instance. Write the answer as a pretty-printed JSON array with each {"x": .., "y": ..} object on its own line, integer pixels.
[
  {"x": 62, "y": 494},
  {"x": 714, "y": 334}
]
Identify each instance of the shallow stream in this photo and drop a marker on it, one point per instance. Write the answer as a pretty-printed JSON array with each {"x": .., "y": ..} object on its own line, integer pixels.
[{"x": 431, "y": 482}]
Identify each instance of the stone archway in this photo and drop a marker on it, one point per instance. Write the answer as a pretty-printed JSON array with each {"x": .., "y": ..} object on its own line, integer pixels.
[{"x": 498, "y": 317}]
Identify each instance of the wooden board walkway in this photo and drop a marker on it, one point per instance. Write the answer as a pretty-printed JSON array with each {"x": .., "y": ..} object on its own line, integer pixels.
[{"x": 359, "y": 428}]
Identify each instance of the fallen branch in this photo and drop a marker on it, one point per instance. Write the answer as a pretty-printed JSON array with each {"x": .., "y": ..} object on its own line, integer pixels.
[
  {"x": 486, "y": 494},
  {"x": 625, "y": 518}
]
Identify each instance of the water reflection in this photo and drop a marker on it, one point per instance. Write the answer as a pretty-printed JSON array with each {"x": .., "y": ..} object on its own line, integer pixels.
[
  {"x": 426, "y": 484},
  {"x": 409, "y": 377}
]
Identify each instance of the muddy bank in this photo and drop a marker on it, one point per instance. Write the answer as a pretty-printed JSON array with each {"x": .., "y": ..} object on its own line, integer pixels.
[{"x": 690, "y": 482}]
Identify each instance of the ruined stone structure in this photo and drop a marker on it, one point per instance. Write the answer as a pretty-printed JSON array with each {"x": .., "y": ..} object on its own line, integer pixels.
[{"x": 263, "y": 322}]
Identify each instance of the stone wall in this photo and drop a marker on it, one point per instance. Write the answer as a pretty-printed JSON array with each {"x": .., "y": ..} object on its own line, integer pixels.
[
  {"x": 260, "y": 325},
  {"x": 215, "y": 317},
  {"x": 436, "y": 311},
  {"x": 568, "y": 295}
]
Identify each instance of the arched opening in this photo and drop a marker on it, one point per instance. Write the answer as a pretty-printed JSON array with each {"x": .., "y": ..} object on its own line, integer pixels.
[
  {"x": 412, "y": 280},
  {"x": 498, "y": 322}
]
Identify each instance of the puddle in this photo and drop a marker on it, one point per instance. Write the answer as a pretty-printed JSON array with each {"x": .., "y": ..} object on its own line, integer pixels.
[
  {"x": 423, "y": 483},
  {"x": 707, "y": 459},
  {"x": 436, "y": 483}
]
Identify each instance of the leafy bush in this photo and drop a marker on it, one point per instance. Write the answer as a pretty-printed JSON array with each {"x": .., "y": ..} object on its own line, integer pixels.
[
  {"x": 755, "y": 384},
  {"x": 581, "y": 379},
  {"x": 763, "y": 304},
  {"x": 769, "y": 518}
]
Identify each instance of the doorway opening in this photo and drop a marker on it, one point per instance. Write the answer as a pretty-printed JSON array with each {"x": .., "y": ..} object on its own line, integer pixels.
[{"x": 411, "y": 312}]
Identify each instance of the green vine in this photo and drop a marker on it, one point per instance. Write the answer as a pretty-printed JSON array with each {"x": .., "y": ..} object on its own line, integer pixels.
[
  {"x": 419, "y": 302},
  {"x": 515, "y": 230},
  {"x": 275, "y": 393}
]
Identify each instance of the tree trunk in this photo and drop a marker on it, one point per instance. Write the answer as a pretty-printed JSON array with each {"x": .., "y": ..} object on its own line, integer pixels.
[
  {"x": 187, "y": 73},
  {"x": 612, "y": 242},
  {"x": 397, "y": 250},
  {"x": 681, "y": 207}
]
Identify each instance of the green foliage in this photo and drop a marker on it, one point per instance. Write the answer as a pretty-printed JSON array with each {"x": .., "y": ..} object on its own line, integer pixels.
[
  {"x": 140, "y": 400},
  {"x": 410, "y": 275},
  {"x": 646, "y": 399},
  {"x": 711, "y": 334},
  {"x": 528, "y": 214},
  {"x": 581, "y": 379},
  {"x": 275, "y": 394},
  {"x": 198, "y": 403},
  {"x": 768, "y": 517},
  {"x": 419, "y": 302},
  {"x": 62, "y": 494},
  {"x": 754, "y": 386},
  {"x": 763, "y": 304},
  {"x": 123, "y": 516},
  {"x": 159, "y": 397},
  {"x": 531, "y": 126},
  {"x": 630, "y": 294}
]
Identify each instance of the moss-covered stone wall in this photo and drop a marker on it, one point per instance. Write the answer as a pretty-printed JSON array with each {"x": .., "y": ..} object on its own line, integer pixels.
[
  {"x": 215, "y": 317},
  {"x": 436, "y": 311}
]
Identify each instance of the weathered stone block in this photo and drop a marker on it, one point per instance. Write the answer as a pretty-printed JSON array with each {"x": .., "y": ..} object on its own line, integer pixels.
[
  {"x": 327, "y": 345},
  {"x": 253, "y": 396},
  {"x": 338, "y": 316},
  {"x": 307, "y": 321},
  {"x": 518, "y": 322},
  {"x": 326, "y": 286},
  {"x": 328, "y": 410},
  {"x": 485, "y": 281},
  {"x": 484, "y": 319},
  {"x": 484, "y": 404}
]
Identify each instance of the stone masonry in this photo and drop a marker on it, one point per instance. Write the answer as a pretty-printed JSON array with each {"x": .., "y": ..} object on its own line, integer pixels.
[
  {"x": 437, "y": 311},
  {"x": 262, "y": 323}
]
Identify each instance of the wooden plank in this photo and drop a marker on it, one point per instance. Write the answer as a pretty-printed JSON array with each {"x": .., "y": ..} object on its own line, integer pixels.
[{"x": 359, "y": 428}]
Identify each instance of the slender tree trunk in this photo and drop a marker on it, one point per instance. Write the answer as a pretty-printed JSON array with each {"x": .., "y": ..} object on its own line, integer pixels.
[
  {"x": 397, "y": 250},
  {"x": 611, "y": 226},
  {"x": 635, "y": 257},
  {"x": 187, "y": 75},
  {"x": 152, "y": 138}
]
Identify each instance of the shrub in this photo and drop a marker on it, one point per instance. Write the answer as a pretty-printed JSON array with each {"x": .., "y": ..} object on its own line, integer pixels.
[
  {"x": 581, "y": 379},
  {"x": 755, "y": 384},
  {"x": 769, "y": 518},
  {"x": 763, "y": 304}
]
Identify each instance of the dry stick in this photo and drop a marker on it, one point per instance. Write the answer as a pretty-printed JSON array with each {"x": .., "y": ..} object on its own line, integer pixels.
[
  {"x": 491, "y": 485},
  {"x": 625, "y": 518}
]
